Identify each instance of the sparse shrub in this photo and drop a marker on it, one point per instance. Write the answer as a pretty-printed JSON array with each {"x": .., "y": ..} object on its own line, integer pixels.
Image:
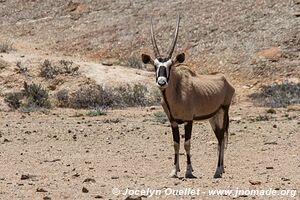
[
  {"x": 20, "y": 69},
  {"x": 3, "y": 64},
  {"x": 48, "y": 71},
  {"x": 93, "y": 96},
  {"x": 62, "y": 97},
  {"x": 98, "y": 111},
  {"x": 67, "y": 68},
  {"x": 14, "y": 99},
  {"x": 33, "y": 98},
  {"x": 6, "y": 47},
  {"x": 135, "y": 62},
  {"x": 36, "y": 96},
  {"x": 278, "y": 95},
  {"x": 160, "y": 117},
  {"x": 87, "y": 97},
  {"x": 134, "y": 95}
]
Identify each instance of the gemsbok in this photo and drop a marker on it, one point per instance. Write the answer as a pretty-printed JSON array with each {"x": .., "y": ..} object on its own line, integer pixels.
[{"x": 187, "y": 96}]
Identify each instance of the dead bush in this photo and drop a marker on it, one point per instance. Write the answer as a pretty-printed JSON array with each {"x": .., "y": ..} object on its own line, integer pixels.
[
  {"x": 62, "y": 97},
  {"x": 67, "y": 68},
  {"x": 135, "y": 62},
  {"x": 21, "y": 69},
  {"x": 5, "y": 46},
  {"x": 14, "y": 99},
  {"x": 48, "y": 70}
]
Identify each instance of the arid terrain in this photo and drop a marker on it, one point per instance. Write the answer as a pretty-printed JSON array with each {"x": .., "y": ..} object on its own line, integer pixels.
[{"x": 78, "y": 52}]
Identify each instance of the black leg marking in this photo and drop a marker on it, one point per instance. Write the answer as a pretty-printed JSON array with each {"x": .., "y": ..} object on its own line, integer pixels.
[
  {"x": 187, "y": 137},
  {"x": 175, "y": 132},
  {"x": 176, "y": 139},
  {"x": 188, "y": 130},
  {"x": 175, "y": 159},
  {"x": 188, "y": 159}
]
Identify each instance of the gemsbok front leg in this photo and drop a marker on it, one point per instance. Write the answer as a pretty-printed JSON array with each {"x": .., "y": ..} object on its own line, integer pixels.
[
  {"x": 176, "y": 140},
  {"x": 187, "y": 146}
]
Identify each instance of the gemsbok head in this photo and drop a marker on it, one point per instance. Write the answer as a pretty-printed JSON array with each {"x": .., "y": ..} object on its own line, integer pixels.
[{"x": 187, "y": 96}]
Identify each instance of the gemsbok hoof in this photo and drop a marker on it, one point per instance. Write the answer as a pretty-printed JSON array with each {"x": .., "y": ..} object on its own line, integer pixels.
[
  {"x": 218, "y": 173},
  {"x": 173, "y": 174},
  {"x": 189, "y": 175}
]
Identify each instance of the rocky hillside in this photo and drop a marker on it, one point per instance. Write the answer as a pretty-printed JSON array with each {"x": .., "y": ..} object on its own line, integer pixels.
[{"x": 256, "y": 42}]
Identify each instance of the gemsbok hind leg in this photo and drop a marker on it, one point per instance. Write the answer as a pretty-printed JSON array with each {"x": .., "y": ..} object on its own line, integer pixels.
[
  {"x": 219, "y": 124},
  {"x": 176, "y": 140},
  {"x": 187, "y": 146}
]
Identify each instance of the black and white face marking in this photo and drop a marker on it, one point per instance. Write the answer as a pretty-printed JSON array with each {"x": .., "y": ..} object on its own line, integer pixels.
[{"x": 162, "y": 70}]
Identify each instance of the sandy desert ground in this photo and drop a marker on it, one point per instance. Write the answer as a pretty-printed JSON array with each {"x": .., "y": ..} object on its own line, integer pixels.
[{"x": 57, "y": 154}]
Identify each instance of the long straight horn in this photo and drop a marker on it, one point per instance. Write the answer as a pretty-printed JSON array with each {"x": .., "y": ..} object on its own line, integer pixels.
[
  {"x": 175, "y": 38},
  {"x": 156, "y": 51}
]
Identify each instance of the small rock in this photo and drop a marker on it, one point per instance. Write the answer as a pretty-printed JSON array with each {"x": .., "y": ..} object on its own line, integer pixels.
[
  {"x": 285, "y": 179},
  {"x": 152, "y": 108},
  {"x": 46, "y": 198},
  {"x": 107, "y": 63},
  {"x": 41, "y": 190},
  {"x": 270, "y": 143},
  {"x": 271, "y": 111},
  {"x": 297, "y": 14},
  {"x": 133, "y": 198},
  {"x": 25, "y": 176},
  {"x": 114, "y": 177},
  {"x": 273, "y": 54},
  {"x": 85, "y": 190},
  {"x": 270, "y": 167},
  {"x": 89, "y": 180},
  {"x": 254, "y": 182},
  {"x": 274, "y": 126},
  {"x": 6, "y": 140},
  {"x": 98, "y": 197},
  {"x": 177, "y": 183}
]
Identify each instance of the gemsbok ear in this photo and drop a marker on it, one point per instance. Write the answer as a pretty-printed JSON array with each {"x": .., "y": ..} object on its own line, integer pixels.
[
  {"x": 146, "y": 59},
  {"x": 180, "y": 58}
]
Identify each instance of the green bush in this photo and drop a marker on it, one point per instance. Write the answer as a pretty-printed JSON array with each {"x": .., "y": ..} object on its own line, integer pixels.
[
  {"x": 97, "y": 112},
  {"x": 36, "y": 96},
  {"x": 33, "y": 98}
]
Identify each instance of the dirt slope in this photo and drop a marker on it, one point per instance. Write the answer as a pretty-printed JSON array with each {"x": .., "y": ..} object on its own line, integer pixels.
[{"x": 225, "y": 35}]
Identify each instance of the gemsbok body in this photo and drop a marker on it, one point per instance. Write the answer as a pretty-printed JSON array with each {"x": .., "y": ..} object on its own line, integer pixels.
[{"x": 187, "y": 96}]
